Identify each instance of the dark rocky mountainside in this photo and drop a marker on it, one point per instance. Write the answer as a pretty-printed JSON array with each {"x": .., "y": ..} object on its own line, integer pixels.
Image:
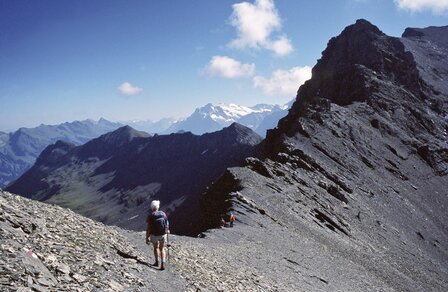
[
  {"x": 19, "y": 149},
  {"x": 353, "y": 184},
  {"x": 113, "y": 178}
]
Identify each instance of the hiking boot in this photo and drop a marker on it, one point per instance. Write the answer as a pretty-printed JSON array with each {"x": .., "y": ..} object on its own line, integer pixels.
[
  {"x": 162, "y": 267},
  {"x": 156, "y": 264}
]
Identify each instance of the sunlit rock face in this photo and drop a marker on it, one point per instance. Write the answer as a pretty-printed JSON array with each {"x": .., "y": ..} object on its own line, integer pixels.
[{"x": 352, "y": 183}]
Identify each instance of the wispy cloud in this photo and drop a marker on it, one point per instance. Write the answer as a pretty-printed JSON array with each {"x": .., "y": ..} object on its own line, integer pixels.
[
  {"x": 436, "y": 6},
  {"x": 255, "y": 23},
  {"x": 283, "y": 83},
  {"x": 227, "y": 67},
  {"x": 128, "y": 89}
]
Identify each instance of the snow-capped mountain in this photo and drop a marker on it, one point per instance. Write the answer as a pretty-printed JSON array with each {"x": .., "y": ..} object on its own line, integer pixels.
[{"x": 210, "y": 118}]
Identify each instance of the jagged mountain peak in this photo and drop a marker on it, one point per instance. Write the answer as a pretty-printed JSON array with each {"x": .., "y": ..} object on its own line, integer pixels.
[
  {"x": 437, "y": 34},
  {"x": 412, "y": 32},
  {"x": 242, "y": 134},
  {"x": 353, "y": 68},
  {"x": 362, "y": 26},
  {"x": 123, "y": 135},
  {"x": 54, "y": 152},
  {"x": 237, "y": 127},
  {"x": 429, "y": 47},
  {"x": 109, "y": 143},
  {"x": 103, "y": 121},
  {"x": 349, "y": 43},
  {"x": 63, "y": 144},
  {"x": 359, "y": 55}
]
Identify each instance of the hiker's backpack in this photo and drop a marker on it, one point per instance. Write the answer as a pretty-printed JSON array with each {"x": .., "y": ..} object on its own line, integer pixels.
[
  {"x": 230, "y": 217},
  {"x": 158, "y": 223}
]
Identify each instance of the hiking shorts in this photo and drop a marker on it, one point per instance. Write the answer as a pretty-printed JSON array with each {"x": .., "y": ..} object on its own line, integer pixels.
[{"x": 158, "y": 238}]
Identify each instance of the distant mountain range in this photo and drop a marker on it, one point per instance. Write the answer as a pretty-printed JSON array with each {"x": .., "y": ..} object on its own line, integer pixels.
[
  {"x": 113, "y": 178},
  {"x": 19, "y": 149},
  {"x": 210, "y": 118},
  {"x": 151, "y": 127}
]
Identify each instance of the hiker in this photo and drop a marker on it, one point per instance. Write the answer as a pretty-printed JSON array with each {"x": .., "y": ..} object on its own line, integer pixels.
[
  {"x": 156, "y": 232},
  {"x": 222, "y": 223},
  {"x": 232, "y": 219}
]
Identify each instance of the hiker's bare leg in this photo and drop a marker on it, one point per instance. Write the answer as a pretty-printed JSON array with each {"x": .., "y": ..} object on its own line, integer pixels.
[
  {"x": 162, "y": 253},
  {"x": 156, "y": 252}
]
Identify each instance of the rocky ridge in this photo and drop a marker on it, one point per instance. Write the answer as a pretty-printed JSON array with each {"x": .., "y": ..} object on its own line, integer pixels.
[{"x": 356, "y": 173}]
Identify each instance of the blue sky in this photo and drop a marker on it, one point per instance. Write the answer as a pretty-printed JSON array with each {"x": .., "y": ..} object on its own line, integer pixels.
[{"x": 64, "y": 60}]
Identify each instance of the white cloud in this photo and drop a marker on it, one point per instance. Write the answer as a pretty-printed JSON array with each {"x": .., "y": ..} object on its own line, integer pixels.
[
  {"x": 283, "y": 83},
  {"x": 228, "y": 68},
  {"x": 281, "y": 47},
  {"x": 255, "y": 23},
  {"x": 437, "y": 6},
  {"x": 127, "y": 88}
]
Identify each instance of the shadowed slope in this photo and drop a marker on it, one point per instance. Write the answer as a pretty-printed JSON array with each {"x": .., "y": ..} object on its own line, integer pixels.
[{"x": 113, "y": 178}]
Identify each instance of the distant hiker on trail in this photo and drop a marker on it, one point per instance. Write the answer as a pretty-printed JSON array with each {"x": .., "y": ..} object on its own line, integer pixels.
[
  {"x": 232, "y": 219},
  {"x": 222, "y": 223},
  {"x": 227, "y": 220},
  {"x": 156, "y": 232}
]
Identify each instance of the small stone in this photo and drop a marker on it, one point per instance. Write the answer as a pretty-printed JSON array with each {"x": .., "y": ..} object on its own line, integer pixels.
[
  {"x": 108, "y": 262},
  {"x": 44, "y": 282},
  {"x": 115, "y": 286},
  {"x": 29, "y": 281},
  {"x": 79, "y": 278},
  {"x": 66, "y": 278},
  {"x": 39, "y": 288},
  {"x": 345, "y": 223},
  {"x": 24, "y": 289},
  {"x": 130, "y": 261},
  {"x": 50, "y": 258},
  {"x": 63, "y": 268}
]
